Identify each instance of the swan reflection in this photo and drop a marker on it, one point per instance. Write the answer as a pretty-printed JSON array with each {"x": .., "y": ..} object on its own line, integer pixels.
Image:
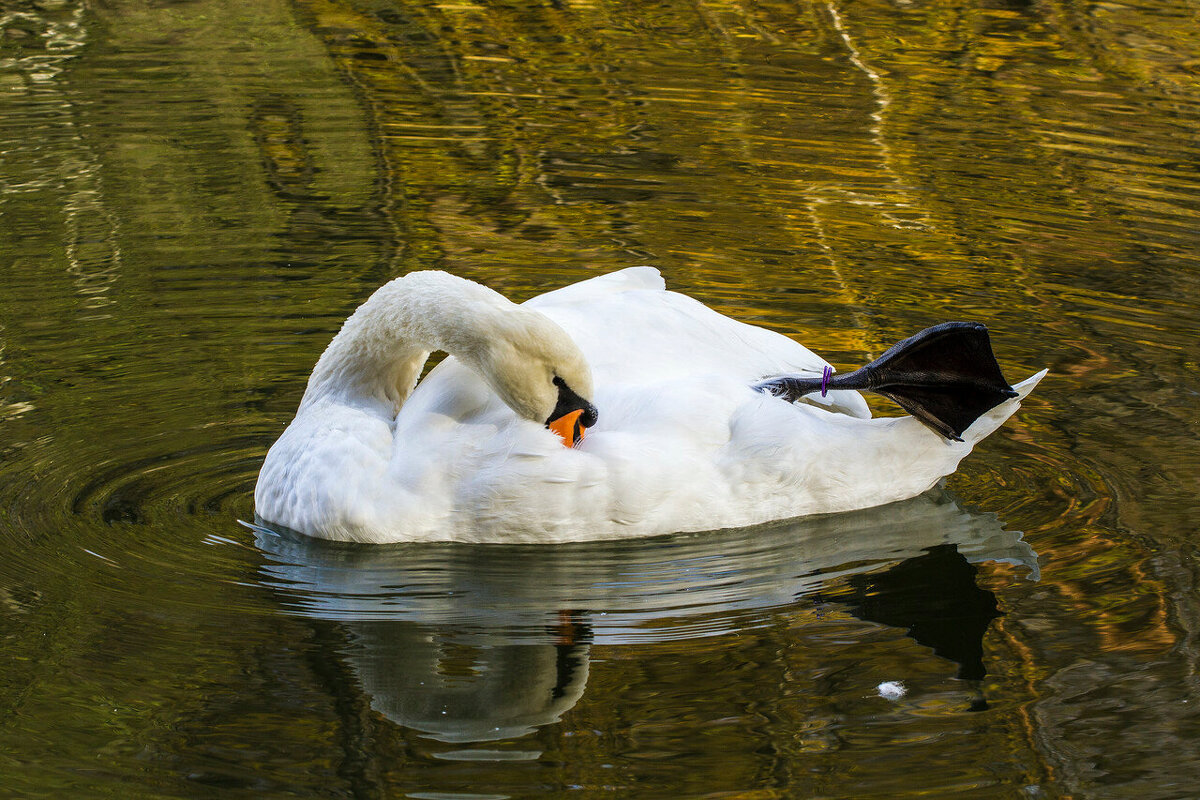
[{"x": 477, "y": 643}]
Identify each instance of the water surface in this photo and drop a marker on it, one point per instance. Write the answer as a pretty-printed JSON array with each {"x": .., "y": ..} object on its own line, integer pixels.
[{"x": 194, "y": 195}]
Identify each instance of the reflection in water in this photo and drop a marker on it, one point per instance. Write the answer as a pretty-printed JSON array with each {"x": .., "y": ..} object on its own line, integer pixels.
[
  {"x": 475, "y": 643},
  {"x": 935, "y": 597},
  {"x": 468, "y": 687},
  {"x": 37, "y": 45}
]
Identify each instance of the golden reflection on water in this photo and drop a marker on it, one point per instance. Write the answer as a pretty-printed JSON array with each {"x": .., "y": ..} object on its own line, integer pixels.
[{"x": 195, "y": 195}]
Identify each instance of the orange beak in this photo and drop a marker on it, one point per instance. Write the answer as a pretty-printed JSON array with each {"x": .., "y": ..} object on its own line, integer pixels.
[{"x": 569, "y": 428}]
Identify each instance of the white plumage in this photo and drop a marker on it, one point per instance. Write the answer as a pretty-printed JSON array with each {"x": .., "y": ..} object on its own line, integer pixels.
[{"x": 682, "y": 442}]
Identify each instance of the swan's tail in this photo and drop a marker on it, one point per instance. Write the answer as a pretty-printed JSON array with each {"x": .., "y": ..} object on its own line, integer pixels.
[
  {"x": 994, "y": 418},
  {"x": 945, "y": 376}
]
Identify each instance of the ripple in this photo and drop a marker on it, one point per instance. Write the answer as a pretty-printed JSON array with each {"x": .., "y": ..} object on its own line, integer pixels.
[
  {"x": 205, "y": 480},
  {"x": 122, "y": 526}
]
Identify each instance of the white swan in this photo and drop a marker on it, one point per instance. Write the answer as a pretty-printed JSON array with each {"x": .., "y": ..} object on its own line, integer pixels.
[{"x": 681, "y": 441}]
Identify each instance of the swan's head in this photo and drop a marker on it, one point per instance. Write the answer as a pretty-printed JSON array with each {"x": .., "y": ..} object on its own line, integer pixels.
[{"x": 539, "y": 372}]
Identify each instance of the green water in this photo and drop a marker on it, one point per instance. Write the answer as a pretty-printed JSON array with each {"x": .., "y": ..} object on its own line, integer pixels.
[{"x": 193, "y": 195}]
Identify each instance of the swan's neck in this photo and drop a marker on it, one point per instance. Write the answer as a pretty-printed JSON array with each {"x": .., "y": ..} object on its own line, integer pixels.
[{"x": 375, "y": 360}]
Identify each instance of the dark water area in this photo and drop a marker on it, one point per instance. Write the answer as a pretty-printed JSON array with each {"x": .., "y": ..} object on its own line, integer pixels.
[{"x": 193, "y": 195}]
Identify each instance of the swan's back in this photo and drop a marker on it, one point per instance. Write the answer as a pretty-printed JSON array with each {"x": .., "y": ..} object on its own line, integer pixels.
[{"x": 633, "y": 330}]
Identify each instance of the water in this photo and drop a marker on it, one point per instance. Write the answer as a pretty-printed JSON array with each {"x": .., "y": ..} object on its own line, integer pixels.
[{"x": 194, "y": 195}]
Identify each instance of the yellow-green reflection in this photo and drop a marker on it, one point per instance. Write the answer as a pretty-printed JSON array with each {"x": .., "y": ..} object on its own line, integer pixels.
[{"x": 193, "y": 196}]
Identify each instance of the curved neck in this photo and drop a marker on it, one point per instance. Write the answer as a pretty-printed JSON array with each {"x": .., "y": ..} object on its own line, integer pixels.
[{"x": 375, "y": 360}]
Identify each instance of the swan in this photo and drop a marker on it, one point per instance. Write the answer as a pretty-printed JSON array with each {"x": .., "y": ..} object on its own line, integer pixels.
[{"x": 676, "y": 418}]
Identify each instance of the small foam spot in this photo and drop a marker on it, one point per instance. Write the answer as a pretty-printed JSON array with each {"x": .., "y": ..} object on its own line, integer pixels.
[{"x": 891, "y": 690}]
